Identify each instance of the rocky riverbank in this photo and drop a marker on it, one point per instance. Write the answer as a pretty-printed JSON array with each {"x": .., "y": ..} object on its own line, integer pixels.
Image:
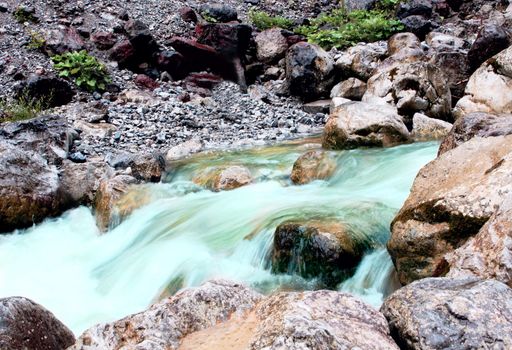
[{"x": 187, "y": 77}]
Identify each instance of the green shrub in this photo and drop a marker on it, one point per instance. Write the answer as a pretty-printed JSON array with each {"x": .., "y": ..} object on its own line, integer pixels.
[
  {"x": 263, "y": 20},
  {"x": 37, "y": 41},
  {"x": 20, "y": 109},
  {"x": 341, "y": 29},
  {"x": 85, "y": 69},
  {"x": 22, "y": 15}
]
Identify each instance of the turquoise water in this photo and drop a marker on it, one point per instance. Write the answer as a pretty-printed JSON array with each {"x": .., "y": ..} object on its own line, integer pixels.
[{"x": 187, "y": 235}]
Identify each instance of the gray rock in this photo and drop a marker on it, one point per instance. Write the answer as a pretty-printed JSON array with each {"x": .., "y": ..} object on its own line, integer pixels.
[
  {"x": 271, "y": 45},
  {"x": 352, "y": 88},
  {"x": 425, "y": 128}
]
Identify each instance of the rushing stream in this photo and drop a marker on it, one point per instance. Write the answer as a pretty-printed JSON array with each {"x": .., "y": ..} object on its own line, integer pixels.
[{"x": 187, "y": 235}]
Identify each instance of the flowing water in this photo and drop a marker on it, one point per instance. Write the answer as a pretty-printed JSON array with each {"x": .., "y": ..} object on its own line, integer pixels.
[{"x": 186, "y": 235}]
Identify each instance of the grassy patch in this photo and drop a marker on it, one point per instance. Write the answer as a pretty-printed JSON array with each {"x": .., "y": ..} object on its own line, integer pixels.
[
  {"x": 20, "y": 109},
  {"x": 22, "y": 15},
  {"x": 37, "y": 41},
  {"x": 263, "y": 20}
]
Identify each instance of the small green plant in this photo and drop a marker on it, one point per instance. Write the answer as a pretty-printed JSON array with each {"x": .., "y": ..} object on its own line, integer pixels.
[
  {"x": 22, "y": 108},
  {"x": 37, "y": 41},
  {"x": 86, "y": 70},
  {"x": 208, "y": 18},
  {"x": 341, "y": 29},
  {"x": 22, "y": 15},
  {"x": 263, "y": 20}
]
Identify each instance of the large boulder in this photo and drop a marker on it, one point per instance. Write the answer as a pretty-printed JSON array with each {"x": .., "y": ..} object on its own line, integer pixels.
[
  {"x": 352, "y": 88},
  {"x": 476, "y": 125},
  {"x": 271, "y": 45},
  {"x": 29, "y": 326},
  {"x": 491, "y": 39},
  {"x": 223, "y": 178},
  {"x": 360, "y": 60},
  {"x": 489, "y": 88},
  {"x": 166, "y": 323},
  {"x": 312, "y": 165},
  {"x": 425, "y": 128},
  {"x": 325, "y": 249},
  {"x": 309, "y": 71},
  {"x": 446, "y": 313},
  {"x": 46, "y": 90},
  {"x": 451, "y": 199},
  {"x": 489, "y": 253},
  {"x": 356, "y": 124}
]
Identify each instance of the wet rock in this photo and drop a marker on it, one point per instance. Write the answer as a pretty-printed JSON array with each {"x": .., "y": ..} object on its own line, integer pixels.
[
  {"x": 166, "y": 323},
  {"x": 184, "y": 150},
  {"x": 148, "y": 167},
  {"x": 360, "y": 60},
  {"x": 491, "y": 40},
  {"x": 352, "y": 88},
  {"x": 470, "y": 181},
  {"x": 48, "y": 91},
  {"x": 65, "y": 39},
  {"x": 444, "y": 313},
  {"x": 323, "y": 249},
  {"x": 103, "y": 40},
  {"x": 489, "y": 88},
  {"x": 476, "y": 125},
  {"x": 221, "y": 13},
  {"x": 309, "y": 71},
  {"x": 312, "y": 165},
  {"x": 488, "y": 254},
  {"x": 425, "y": 128},
  {"x": 320, "y": 106},
  {"x": 224, "y": 178},
  {"x": 271, "y": 45},
  {"x": 27, "y": 325},
  {"x": 109, "y": 193},
  {"x": 356, "y": 124}
]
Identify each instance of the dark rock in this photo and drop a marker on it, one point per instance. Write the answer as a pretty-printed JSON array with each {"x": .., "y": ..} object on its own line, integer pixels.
[
  {"x": 103, "y": 40},
  {"x": 145, "y": 82},
  {"x": 309, "y": 71},
  {"x": 172, "y": 62},
  {"x": 221, "y": 13},
  {"x": 124, "y": 53},
  {"x": 49, "y": 91},
  {"x": 203, "y": 80},
  {"x": 4, "y": 7},
  {"x": 148, "y": 167},
  {"x": 27, "y": 325},
  {"x": 312, "y": 165},
  {"x": 476, "y": 125},
  {"x": 324, "y": 249},
  {"x": 188, "y": 14},
  {"x": 67, "y": 39},
  {"x": 414, "y": 8},
  {"x": 320, "y": 106},
  {"x": 491, "y": 40},
  {"x": 418, "y": 25},
  {"x": 141, "y": 38},
  {"x": 446, "y": 313}
]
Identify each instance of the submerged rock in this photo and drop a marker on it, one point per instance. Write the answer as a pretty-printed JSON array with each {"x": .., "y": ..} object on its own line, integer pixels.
[
  {"x": 29, "y": 326},
  {"x": 470, "y": 182},
  {"x": 312, "y": 165},
  {"x": 356, "y": 124},
  {"x": 224, "y": 178},
  {"x": 324, "y": 249},
  {"x": 445, "y": 313}
]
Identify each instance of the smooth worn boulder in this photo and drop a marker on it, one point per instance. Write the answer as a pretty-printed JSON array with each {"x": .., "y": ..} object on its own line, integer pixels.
[
  {"x": 183, "y": 150},
  {"x": 325, "y": 249},
  {"x": 489, "y": 88},
  {"x": 224, "y": 178},
  {"x": 451, "y": 199},
  {"x": 476, "y": 125},
  {"x": 46, "y": 91},
  {"x": 352, "y": 88},
  {"x": 446, "y": 313},
  {"x": 271, "y": 45},
  {"x": 489, "y": 253},
  {"x": 491, "y": 39},
  {"x": 166, "y": 323},
  {"x": 356, "y": 124},
  {"x": 404, "y": 47},
  {"x": 29, "y": 326},
  {"x": 309, "y": 71},
  {"x": 312, "y": 165},
  {"x": 425, "y": 128},
  {"x": 360, "y": 60},
  {"x": 415, "y": 87}
]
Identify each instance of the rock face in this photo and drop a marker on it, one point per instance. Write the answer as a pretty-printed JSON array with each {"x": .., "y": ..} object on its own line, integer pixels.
[
  {"x": 352, "y": 88},
  {"x": 425, "y": 128},
  {"x": 224, "y": 178},
  {"x": 309, "y": 71},
  {"x": 223, "y": 315},
  {"x": 271, "y": 45},
  {"x": 324, "y": 249},
  {"x": 476, "y": 125},
  {"x": 488, "y": 254},
  {"x": 164, "y": 324},
  {"x": 311, "y": 166},
  {"x": 27, "y": 325},
  {"x": 470, "y": 181},
  {"x": 357, "y": 124},
  {"x": 489, "y": 88},
  {"x": 445, "y": 313}
]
